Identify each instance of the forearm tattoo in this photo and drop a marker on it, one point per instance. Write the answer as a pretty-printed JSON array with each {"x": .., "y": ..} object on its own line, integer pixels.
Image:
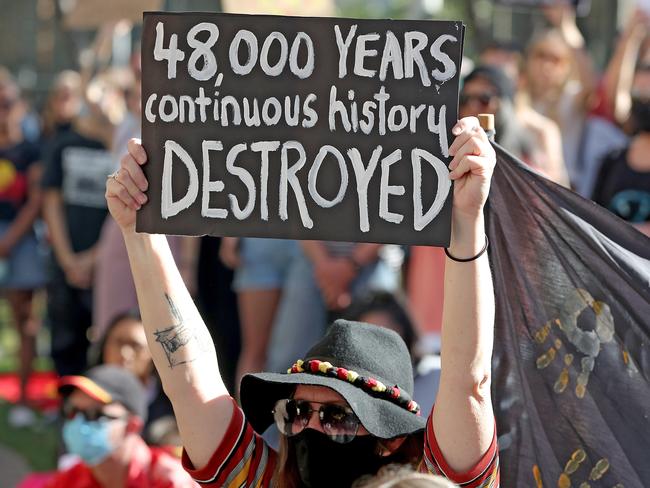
[{"x": 175, "y": 337}]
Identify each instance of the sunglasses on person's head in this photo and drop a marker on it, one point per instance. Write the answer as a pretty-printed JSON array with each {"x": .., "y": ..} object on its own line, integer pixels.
[
  {"x": 482, "y": 98},
  {"x": 91, "y": 414},
  {"x": 339, "y": 422}
]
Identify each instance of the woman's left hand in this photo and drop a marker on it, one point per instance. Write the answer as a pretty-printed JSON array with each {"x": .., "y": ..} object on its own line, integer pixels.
[{"x": 471, "y": 167}]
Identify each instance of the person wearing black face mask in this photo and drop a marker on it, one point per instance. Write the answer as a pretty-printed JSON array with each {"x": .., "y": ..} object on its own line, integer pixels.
[
  {"x": 346, "y": 408},
  {"x": 487, "y": 89},
  {"x": 640, "y": 112},
  {"x": 623, "y": 184}
]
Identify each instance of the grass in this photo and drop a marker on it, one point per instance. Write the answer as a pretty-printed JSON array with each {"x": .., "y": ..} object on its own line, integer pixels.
[
  {"x": 36, "y": 444},
  {"x": 9, "y": 339}
]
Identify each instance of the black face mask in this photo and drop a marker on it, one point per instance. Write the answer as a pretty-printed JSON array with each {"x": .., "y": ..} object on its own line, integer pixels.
[
  {"x": 641, "y": 114},
  {"x": 325, "y": 463}
]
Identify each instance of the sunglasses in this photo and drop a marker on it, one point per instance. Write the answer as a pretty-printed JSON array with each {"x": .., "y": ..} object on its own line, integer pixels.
[
  {"x": 337, "y": 421},
  {"x": 482, "y": 98},
  {"x": 70, "y": 412}
]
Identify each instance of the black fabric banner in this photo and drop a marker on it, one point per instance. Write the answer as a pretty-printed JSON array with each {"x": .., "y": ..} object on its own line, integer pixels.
[{"x": 571, "y": 363}]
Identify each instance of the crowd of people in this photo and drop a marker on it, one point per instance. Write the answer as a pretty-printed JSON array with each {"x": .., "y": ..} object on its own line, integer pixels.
[{"x": 265, "y": 302}]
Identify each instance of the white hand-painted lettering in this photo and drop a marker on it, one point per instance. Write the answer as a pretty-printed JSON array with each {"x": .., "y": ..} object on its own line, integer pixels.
[
  {"x": 288, "y": 176},
  {"x": 420, "y": 219},
  {"x": 313, "y": 177},
  {"x": 246, "y": 178},
  {"x": 210, "y": 186},
  {"x": 386, "y": 189},
  {"x": 363, "y": 177},
  {"x": 169, "y": 207},
  {"x": 344, "y": 46}
]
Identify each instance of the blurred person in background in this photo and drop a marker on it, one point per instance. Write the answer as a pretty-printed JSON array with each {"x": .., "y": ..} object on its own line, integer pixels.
[
  {"x": 487, "y": 89},
  {"x": 324, "y": 278},
  {"x": 104, "y": 411},
  {"x": 113, "y": 288},
  {"x": 75, "y": 209},
  {"x": 505, "y": 55},
  {"x": 620, "y": 72},
  {"x": 217, "y": 302},
  {"x": 21, "y": 261},
  {"x": 623, "y": 184},
  {"x": 62, "y": 106},
  {"x": 546, "y": 156},
  {"x": 607, "y": 127},
  {"x": 261, "y": 268},
  {"x": 124, "y": 344},
  {"x": 559, "y": 80}
]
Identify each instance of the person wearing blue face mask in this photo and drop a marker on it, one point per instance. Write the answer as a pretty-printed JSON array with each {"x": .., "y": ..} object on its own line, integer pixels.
[{"x": 104, "y": 412}]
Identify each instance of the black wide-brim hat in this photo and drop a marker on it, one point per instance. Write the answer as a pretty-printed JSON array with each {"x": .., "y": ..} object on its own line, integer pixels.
[{"x": 367, "y": 365}]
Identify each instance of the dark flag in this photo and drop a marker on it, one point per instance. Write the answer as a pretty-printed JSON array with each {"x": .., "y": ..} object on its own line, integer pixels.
[{"x": 571, "y": 371}]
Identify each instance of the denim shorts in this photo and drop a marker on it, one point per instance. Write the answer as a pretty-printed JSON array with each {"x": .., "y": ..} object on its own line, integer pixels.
[
  {"x": 264, "y": 263},
  {"x": 24, "y": 268}
]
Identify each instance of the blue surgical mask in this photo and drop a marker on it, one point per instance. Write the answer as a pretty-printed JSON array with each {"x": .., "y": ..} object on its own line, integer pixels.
[{"x": 88, "y": 439}]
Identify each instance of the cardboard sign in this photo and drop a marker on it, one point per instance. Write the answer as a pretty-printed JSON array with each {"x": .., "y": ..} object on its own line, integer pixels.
[
  {"x": 301, "y": 128},
  {"x": 321, "y": 8},
  {"x": 582, "y": 6},
  {"x": 92, "y": 14}
]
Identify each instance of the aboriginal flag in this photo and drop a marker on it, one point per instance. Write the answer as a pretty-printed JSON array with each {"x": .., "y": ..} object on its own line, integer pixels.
[{"x": 571, "y": 370}]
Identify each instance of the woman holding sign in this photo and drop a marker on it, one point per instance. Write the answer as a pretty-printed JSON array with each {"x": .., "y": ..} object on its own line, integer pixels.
[{"x": 345, "y": 408}]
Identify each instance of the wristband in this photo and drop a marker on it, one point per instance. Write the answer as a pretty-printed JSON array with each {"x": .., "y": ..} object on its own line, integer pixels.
[{"x": 467, "y": 260}]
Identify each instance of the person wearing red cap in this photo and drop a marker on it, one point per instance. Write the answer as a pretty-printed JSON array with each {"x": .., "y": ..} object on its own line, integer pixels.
[{"x": 104, "y": 412}]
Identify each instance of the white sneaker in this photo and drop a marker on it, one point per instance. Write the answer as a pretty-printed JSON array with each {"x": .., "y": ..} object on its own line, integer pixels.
[{"x": 21, "y": 416}]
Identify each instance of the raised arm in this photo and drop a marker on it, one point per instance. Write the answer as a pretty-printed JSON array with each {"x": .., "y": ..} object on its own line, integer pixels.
[
  {"x": 563, "y": 17},
  {"x": 178, "y": 339},
  {"x": 463, "y": 419},
  {"x": 620, "y": 70}
]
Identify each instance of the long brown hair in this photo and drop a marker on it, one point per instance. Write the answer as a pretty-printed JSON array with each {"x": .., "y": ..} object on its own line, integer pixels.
[{"x": 287, "y": 474}]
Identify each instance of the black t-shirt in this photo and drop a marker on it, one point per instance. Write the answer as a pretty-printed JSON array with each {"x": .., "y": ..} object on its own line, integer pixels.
[
  {"x": 623, "y": 190},
  {"x": 78, "y": 167},
  {"x": 15, "y": 162}
]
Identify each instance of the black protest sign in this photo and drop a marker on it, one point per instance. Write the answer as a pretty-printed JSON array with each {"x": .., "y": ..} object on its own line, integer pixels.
[{"x": 302, "y": 128}]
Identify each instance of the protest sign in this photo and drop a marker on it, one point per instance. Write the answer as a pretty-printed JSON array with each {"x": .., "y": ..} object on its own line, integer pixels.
[
  {"x": 320, "y": 8},
  {"x": 582, "y": 6},
  {"x": 92, "y": 14},
  {"x": 302, "y": 128}
]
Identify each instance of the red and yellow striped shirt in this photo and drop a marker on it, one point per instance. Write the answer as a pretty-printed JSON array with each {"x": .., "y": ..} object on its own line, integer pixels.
[{"x": 243, "y": 459}]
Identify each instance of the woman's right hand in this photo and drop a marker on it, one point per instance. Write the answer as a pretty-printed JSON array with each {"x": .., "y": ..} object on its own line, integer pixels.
[{"x": 125, "y": 188}]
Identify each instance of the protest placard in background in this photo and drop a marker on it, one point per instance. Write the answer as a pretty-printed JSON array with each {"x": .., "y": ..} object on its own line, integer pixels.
[
  {"x": 302, "y": 128},
  {"x": 320, "y": 8},
  {"x": 92, "y": 14},
  {"x": 582, "y": 6}
]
